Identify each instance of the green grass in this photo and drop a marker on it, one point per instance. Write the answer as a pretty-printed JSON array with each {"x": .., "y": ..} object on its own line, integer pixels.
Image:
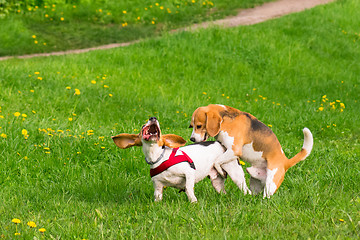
[
  {"x": 54, "y": 27},
  {"x": 77, "y": 185}
]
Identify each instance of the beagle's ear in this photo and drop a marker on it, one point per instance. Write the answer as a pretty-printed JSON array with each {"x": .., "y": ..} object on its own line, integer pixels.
[
  {"x": 213, "y": 122},
  {"x": 126, "y": 140},
  {"x": 172, "y": 140}
]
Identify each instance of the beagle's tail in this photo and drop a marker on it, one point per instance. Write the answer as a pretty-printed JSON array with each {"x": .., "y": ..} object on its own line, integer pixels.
[{"x": 305, "y": 151}]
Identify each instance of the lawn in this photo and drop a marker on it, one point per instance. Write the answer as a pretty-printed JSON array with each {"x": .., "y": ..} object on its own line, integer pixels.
[
  {"x": 54, "y": 25},
  {"x": 61, "y": 171}
]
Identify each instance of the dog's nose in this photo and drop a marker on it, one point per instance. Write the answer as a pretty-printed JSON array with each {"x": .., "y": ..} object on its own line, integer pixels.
[
  {"x": 152, "y": 119},
  {"x": 192, "y": 139}
]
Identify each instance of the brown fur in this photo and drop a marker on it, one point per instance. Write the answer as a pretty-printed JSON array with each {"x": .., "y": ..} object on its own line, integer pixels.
[{"x": 244, "y": 128}]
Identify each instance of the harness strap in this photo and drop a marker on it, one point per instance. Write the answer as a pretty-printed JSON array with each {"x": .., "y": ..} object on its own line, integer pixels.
[{"x": 173, "y": 160}]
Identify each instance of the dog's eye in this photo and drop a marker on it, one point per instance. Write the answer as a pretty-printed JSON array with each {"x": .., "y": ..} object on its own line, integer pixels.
[{"x": 198, "y": 126}]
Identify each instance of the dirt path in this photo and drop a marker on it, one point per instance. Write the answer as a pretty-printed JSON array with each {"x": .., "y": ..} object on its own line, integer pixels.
[{"x": 245, "y": 17}]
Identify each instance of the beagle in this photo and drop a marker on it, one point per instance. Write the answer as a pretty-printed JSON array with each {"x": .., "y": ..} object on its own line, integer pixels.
[
  {"x": 178, "y": 167},
  {"x": 246, "y": 137}
]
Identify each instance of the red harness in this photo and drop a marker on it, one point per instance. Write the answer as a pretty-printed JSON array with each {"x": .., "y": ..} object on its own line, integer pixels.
[{"x": 171, "y": 162}]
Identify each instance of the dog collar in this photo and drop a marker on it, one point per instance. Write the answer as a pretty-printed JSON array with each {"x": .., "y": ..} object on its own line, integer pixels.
[
  {"x": 171, "y": 162},
  {"x": 157, "y": 160}
]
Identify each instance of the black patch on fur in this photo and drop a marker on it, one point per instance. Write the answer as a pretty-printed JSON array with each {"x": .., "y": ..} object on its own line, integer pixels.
[
  {"x": 256, "y": 125},
  {"x": 206, "y": 143},
  {"x": 231, "y": 115}
]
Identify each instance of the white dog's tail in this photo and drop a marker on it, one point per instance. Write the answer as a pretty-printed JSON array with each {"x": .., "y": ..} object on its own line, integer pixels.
[{"x": 305, "y": 151}]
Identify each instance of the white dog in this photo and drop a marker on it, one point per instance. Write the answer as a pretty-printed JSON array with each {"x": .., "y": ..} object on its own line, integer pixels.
[{"x": 179, "y": 167}]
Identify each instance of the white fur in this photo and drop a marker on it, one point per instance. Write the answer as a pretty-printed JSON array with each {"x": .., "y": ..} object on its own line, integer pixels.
[
  {"x": 228, "y": 159},
  {"x": 308, "y": 141},
  {"x": 270, "y": 186},
  {"x": 182, "y": 176},
  {"x": 196, "y": 136}
]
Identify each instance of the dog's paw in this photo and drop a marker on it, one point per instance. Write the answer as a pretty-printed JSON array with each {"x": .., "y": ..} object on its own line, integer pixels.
[{"x": 220, "y": 170}]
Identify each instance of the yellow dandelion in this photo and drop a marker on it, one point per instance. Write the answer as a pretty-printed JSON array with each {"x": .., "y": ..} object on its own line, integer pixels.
[
  {"x": 204, "y": 93},
  {"x": 341, "y": 220},
  {"x": 241, "y": 162},
  {"x": 33, "y": 36},
  {"x": 106, "y": 86},
  {"x": 3, "y": 135},
  {"x": 61, "y": 19},
  {"x": 152, "y": 22},
  {"x": 16, "y": 220},
  {"x": 32, "y": 91},
  {"x": 102, "y": 148},
  {"x": 17, "y": 114},
  {"x": 70, "y": 119},
  {"x": 24, "y": 132},
  {"x": 17, "y": 234},
  {"x": 321, "y": 109},
  {"x": 93, "y": 82},
  {"x": 110, "y": 95},
  {"x": 24, "y": 115},
  {"x": 124, "y": 12},
  {"x": 77, "y": 91},
  {"x": 68, "y": 88},
  {"x": 46, "y": 15},
  {"x": 36, "y": 42},
  {"x": 42, "y": 230},
  {"x": 1, "y": 116},
  {"x": 31, "y": 224}
]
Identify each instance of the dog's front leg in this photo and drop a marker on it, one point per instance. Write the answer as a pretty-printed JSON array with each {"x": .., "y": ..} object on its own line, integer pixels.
[
  {"x": 217, "y": 181},
  {"x": 236, "y": 173},
  {"x": 158, "y": 193},
  {"x": 226, "y": 157},
  {"x": 189, "y": 186}
]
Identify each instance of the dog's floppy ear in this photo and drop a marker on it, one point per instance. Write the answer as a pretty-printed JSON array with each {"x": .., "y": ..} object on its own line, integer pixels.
[
  {"x": 126, "y": 140},
  {"x": 213, "y": 121},
  {"x": 172, "y": 140}
]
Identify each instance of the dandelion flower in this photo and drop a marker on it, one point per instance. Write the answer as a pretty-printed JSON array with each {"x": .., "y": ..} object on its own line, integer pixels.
[
  {"x": 77, "y": 91},
  {"x": 24, "y": 115},
  {"x": 17, "y": 234},
  {"x": 31, "y": 224},
  {"x": 110, "y": 95},
  {"x": 93, "y": 82},
  {"x": 70, "y": 119},
  {"x": 16, "y": 220},
  {"x": 42, "y": 230},
  {"x": 33, "y": 36},
  {"x": 68, "y": 88},
  {"x": 17, "y": 114},
  {"x": 24, "y": 132},
  {"x": 3, "y": 135},
  {"x": 321, "y": 109},
  {"x": 106, "y": 86}
]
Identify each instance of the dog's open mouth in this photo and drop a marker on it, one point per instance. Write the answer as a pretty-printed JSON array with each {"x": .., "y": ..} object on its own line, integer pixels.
[{"x": 151, "y": 132}]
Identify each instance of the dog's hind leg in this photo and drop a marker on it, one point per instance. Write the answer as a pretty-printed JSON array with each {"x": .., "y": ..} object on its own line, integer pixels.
[
  {"x": 236, "y": 174},
  {"x": 256, "y": 186}
]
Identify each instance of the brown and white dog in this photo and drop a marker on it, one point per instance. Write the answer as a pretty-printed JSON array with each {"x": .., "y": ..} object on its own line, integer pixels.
[
  {"x": 246, "y": 137},
  {"x": 196, "y": 160}
]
